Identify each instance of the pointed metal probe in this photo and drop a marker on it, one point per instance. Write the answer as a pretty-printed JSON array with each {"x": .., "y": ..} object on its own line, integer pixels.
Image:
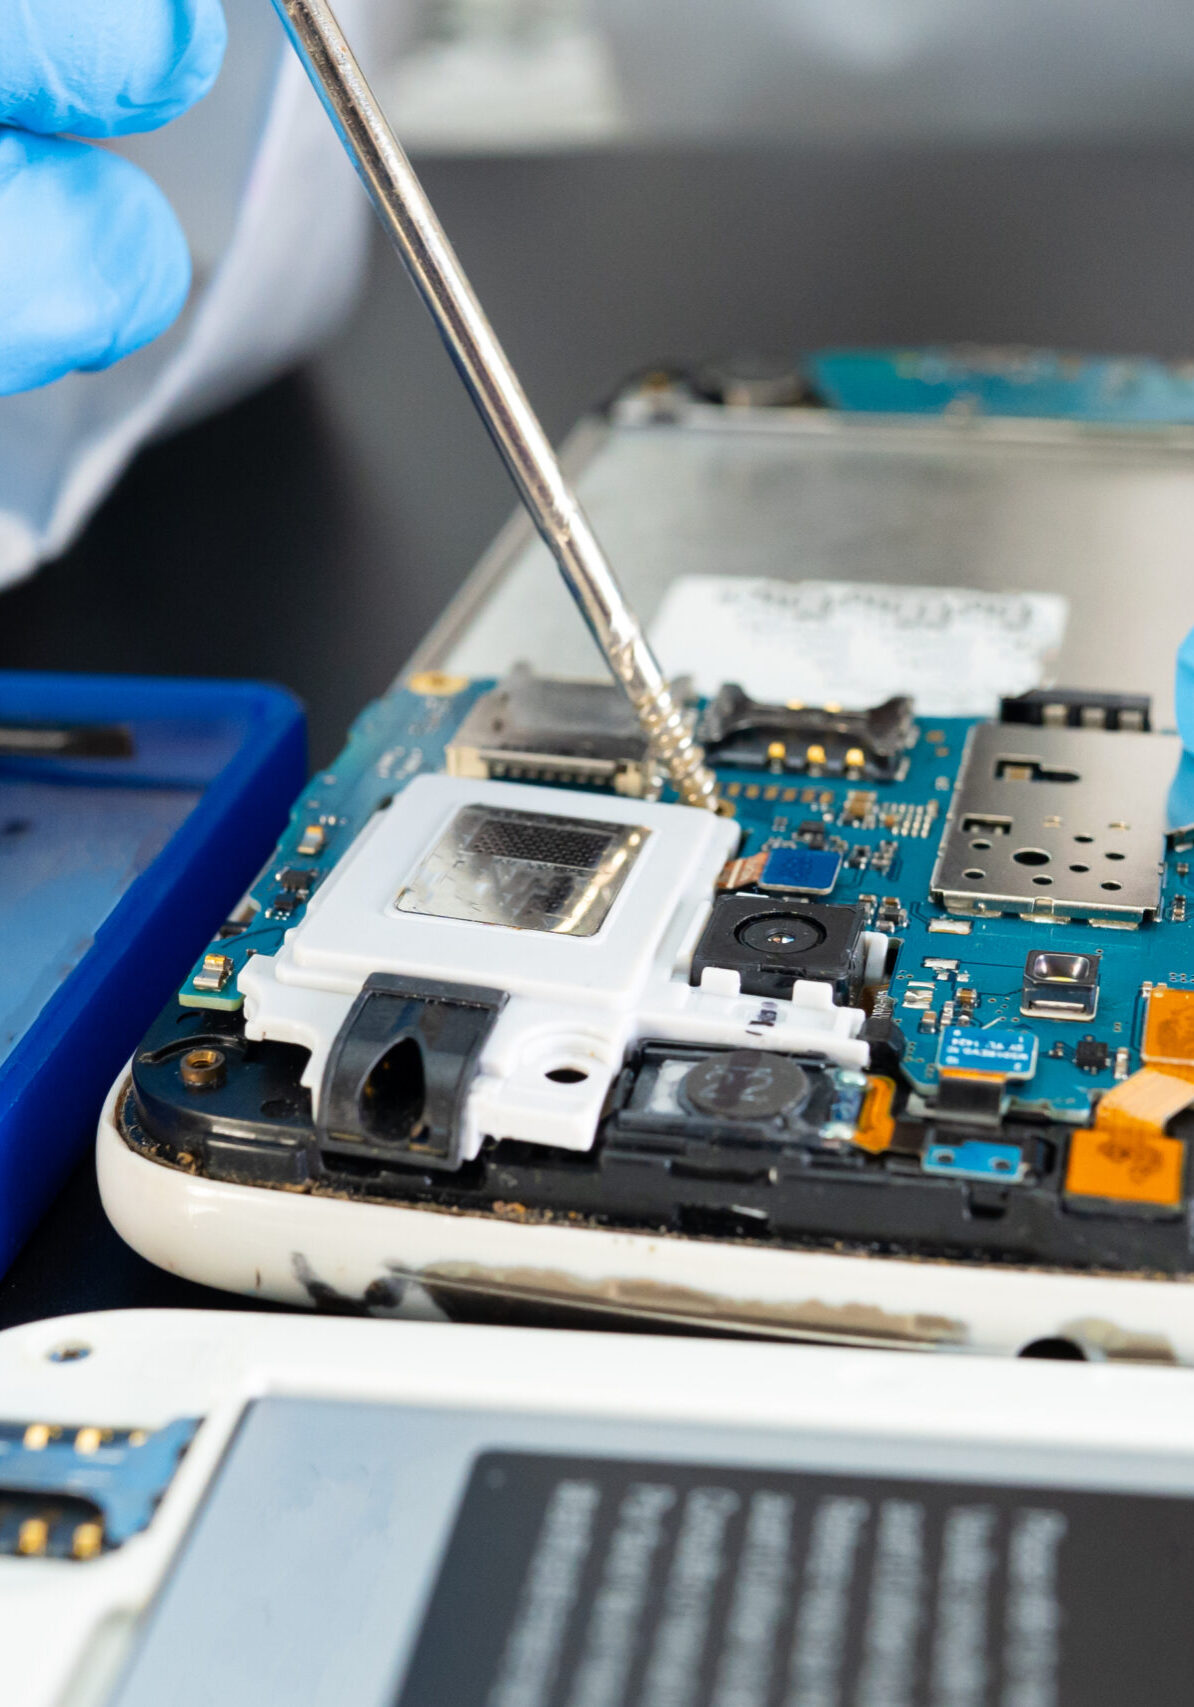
[{"x": 416, "y": 233}]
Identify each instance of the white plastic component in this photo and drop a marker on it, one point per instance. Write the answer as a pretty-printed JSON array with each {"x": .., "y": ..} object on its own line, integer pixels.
[
  {"x": 876, "y": 946},
  {"x": 721, "y": 981},
  {"x": 66, "y": 1627},
  {"x": 577, "y": 1002},
  {"x": 271, "y": 1244}
]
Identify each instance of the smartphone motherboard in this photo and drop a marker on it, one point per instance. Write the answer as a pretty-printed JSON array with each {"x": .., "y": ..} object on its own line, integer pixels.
[{"x": 925, "y": 989}]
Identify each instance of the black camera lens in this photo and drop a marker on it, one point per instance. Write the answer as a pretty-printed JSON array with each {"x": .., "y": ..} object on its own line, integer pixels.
[{"x": 781, "y": 934}]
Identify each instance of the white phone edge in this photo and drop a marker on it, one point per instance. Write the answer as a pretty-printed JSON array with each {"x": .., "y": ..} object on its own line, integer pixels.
[
  {"x": 299, "y": 1248},
  {"x": 65, "y": 1627}
]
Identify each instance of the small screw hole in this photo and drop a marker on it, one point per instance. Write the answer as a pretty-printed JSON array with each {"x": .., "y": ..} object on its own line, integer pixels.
[
  {"x": 1054, "y": 1350},
  {"x": 275, "y": 1108},
  {"x": 70, "y": 1351}
]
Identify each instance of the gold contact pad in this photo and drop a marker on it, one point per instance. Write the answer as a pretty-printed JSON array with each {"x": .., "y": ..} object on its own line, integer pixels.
[
  {"x": 1126, "y": 1156},
  {"x": 1169, "y": 1031},
  {"x": 1125, "y": 1169},
  {"x": 876, "y": 1123}
]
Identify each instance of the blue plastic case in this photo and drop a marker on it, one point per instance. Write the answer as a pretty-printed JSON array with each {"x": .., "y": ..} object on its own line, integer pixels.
[{"x": 114, "y": 871}]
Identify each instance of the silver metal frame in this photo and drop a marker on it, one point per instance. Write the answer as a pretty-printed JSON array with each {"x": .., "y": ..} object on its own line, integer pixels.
[{"x": 1103, "y": 516}]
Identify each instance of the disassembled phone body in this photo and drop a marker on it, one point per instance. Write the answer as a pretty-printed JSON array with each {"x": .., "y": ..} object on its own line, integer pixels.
[
  {"x": 271, "y": 1511},
  {"x": 898, "y": 1051}
]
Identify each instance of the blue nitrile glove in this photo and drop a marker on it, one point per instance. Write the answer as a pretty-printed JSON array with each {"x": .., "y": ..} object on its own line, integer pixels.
[
  {"x": 1181, "y": 795},
  {"x": 1184, "y": 692},
  {"x": 93, "y": 263}
]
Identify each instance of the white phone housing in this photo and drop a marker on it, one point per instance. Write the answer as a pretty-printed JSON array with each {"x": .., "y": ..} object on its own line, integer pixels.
[
  {"x": 69, "y": 1629},
  {"x": 305, "y": 1249}
]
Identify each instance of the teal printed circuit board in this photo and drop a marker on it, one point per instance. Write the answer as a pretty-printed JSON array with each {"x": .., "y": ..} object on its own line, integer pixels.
[
  {"x": 996, "y": 912},
  {"x": 898, "y": 825}
]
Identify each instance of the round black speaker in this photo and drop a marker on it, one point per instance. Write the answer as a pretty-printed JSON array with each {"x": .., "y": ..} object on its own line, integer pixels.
[{"x": 746, "y": 1084}]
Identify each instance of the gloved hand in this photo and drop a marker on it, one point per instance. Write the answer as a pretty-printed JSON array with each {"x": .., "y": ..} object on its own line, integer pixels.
[
  {"x": 1181, "y": 795},
  {"x": 1184, "y": 691},
  {"x": 93, "y": 262}
]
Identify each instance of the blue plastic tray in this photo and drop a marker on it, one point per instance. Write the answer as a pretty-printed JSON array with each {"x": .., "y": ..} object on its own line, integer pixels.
[{"x": 114, "y": 871}]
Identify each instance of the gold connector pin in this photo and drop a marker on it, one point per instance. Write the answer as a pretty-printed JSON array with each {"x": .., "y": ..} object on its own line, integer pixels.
[
  {"x": 214, "y": 973},
  {"x": 33, "y": 1537},
  {"x": 87, "y": 1541}
]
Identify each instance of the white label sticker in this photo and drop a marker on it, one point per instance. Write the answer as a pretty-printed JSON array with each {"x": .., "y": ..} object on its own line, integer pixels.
[{"x": 954, "y": 650}]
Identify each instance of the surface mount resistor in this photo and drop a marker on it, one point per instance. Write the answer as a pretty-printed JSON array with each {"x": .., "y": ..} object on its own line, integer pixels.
[{"x": 312, "y": 841}]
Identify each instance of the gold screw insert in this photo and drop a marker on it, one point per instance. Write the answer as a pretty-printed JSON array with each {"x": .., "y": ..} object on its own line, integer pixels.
[{"x": 203, "y": 1069}]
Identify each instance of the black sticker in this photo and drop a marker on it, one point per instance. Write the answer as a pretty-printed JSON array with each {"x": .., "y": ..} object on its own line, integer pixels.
[{"x": 582, "y": 1582}]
